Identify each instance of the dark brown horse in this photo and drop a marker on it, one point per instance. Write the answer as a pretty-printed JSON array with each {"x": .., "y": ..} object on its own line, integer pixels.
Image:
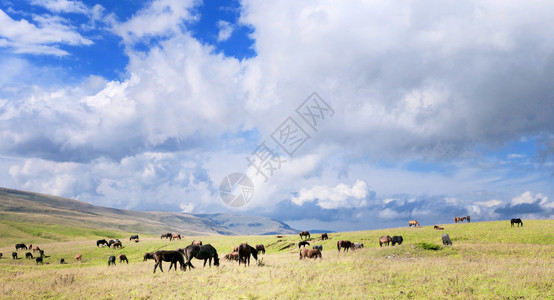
[
  {"x": 436, "y": 227},
  {"x": 197, "y": 243},
  {"x": 166, "y": 235},
  {"x": 29, "y": 255},
  {"x": 384, "y": 240},
  {"x": 345, "y": 245},
  {"x": 205, "y": 252},
  {"x": 171, "y": 256},
  {"x": 245, "y": 251},
  {"x": 310, "y": 253},
  {"x": 20, "y": 247},
  {"x": 324, "y": 236},
  {"x": 175, "y": 236},
  {"x": 261, "y": 248},
  {"x": 304, "y": 233},
  {"x": 123, "y": 258},
  {"x": 303, "y": 244},
  {"x": 117, "y": 245},
  {"x": 148, "y": 256}
]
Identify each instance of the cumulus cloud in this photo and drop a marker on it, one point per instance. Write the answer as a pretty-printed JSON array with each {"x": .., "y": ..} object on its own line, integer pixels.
[
  {"x": 65, "y": 6},
  {"x": 225, "y": 30},
  {"x": 340, "y": 196}
]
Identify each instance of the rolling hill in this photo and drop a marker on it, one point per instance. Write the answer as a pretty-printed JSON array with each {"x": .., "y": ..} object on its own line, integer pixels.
[{"x": 28, "y": 207}]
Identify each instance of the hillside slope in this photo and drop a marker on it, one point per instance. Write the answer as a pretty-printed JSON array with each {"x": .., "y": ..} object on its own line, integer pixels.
[{"x": 20, "y": 206}]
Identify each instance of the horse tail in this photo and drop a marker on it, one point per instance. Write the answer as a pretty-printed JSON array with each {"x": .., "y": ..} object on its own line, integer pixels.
[{"x": 338, "y": 245}]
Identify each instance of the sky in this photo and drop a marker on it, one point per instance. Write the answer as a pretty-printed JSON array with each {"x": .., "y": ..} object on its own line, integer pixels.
[{"x": 336, "y": 115}]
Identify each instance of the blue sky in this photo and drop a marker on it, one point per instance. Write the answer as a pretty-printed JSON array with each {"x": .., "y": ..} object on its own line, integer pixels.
[{"x": 422, "y": 111}]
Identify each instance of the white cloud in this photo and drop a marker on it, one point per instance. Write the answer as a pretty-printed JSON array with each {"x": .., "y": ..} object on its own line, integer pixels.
[
  {"x": 225, "y": 30},
  {"x": 65, "y": 6},
  {"x": 529, "y": 198},
  {"x": 341, "y": 196}
]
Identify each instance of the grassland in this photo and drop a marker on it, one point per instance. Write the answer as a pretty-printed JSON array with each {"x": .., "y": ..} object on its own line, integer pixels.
[{"x": 488, "y": 260}]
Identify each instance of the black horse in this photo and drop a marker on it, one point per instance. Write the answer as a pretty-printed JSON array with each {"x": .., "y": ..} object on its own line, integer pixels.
[
  {"x": 29, "y": 255},
  {"x": 20, "y": 247},
  {"x": 205, "y": 252},
  {"x": 244, "y": 253},
  {"x": 303, "y": 244},
  {"x": 14, "y": 255},
  {"x": 102, "y": 242},
  {"x": 397, "y": 239},
  {"x": 516, "y": 221},
  {"x": 171, "y": 256},
  {"x": 446, "y": 240},
  {"x": 134, "y": 237},
  {"x": 111, "y": 260}
]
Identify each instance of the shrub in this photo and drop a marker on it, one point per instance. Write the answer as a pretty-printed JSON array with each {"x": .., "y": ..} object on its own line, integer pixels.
[{"x": 428, "y": 246}]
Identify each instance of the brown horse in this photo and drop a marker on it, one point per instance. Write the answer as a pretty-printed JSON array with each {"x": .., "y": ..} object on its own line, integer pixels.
[
  {"x": 166, "y": 235},
  {"x": 196, "y": 243},
  {"x": 245, "y": 251},
  {"x": 236, "y": 249},
  {"x": 345, "y": 245},
  {"x": 384, "y": 240},
  {"x": 79, "y": 257},
  {"x": 414, "y": 223},
  {"x": 261, "y": 248},
  {"x": 123, "y": 257},
  {"x": 436, "y": 227},
  {"x": 456, "y": 219},
  {"x": 232, "y": 256},
  {"x": 310, "y": 253},
  {"x": 304, "y": 233},
  {"x": 324, "y": 236},
  {"x": 175, "y": 236},
  {"x": 462, "y": 219},
  {"x": 36, "y": 249},
  {"x": 117, "y": 245},
  {"x": 169, "y": 256},
  {"x": 148, "y": 256},
  {"x": 205, "y": 252}
]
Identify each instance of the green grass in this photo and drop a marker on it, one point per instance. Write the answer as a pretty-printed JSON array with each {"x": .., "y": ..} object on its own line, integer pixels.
[{"x": 488, "y": 260}]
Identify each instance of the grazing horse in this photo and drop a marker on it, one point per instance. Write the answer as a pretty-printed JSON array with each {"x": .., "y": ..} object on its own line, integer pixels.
[
  {"x": 1, "y": 254},
  {"x": 20, "y": 247},
  {"x": 462, "y": 219},
  {"x": 111, "y": 260},
  {"x": 148, "y": 256},
  {"x": 446, "y": 239},
  {"x": 261, "y": 248},
  {"x": 35, "y": 249},
  {"x": 318, "y": 247},
  {"x": 117, "y": 245},
  {"x": 39, "y": 260},
  {"x": 62, "y": 261},
  {"x": 245, "y": 251},
  {"x": 310, "y": 253},
  {"x": 304, "y": 233},
  {"x": 468, "y": 219},
  {"x": 205, "y": 252},
  {"x": 344, "y": 244},
  {"x": 357, "y": 246},
  {"x": 196, "y": 243},
  {"x": 303, "y": 244},
  {"x": 79, "y": 257},
  {"x": 166, "y": 235},
  {"x": 324, "y": 236},
  {"x": 436, "y": 227},
  {"x": 516, "y": 221},
  {"x": 14, "y": 255},
  {"x": 384, "y": 240},
  {"x": 232, "y": 256},
  {"x": 172, "y": 256},
  {"x": 123, "y": 257},
  {"x": 29, "y": 255},
  {"x": 414, "y": 223},
  {"x": 175, "y": 236},
  {"x": 134, "y": 237},
  {"x": 102, "y": 242},
  {"x": 397, "y": 239}
]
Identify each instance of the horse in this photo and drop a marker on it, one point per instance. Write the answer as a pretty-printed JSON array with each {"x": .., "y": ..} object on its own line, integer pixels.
[
  {"x": 303, "y": 244},
  {"x": 304, "y": 233},
  {"x": 245, "y": 251},
  {"x": 310, "y": 253},
  {"x": 397, "y": 239},
  {"x": 102, "y": 242},
  {"x": 456, "y": 219},
  {"x": 236, "y": 249},
  {"x": 79, "y": 257},
  {"x": 232, "y": 256},
  {"x": 175, "y": 236},
  {"x": 1, "y": 254},
  {"x": 39, "y": 260},
  {"x": 62, "y": 261},
  {"x": 35, "y": 249},
  {"x": 318, "y": 247},
  {"x": 134, "y": 237},
  {"x": 462, "y": 219},
  {"x": 468, "y": 218},
  {"x": 357, "y": 246},
  {"x": 111, "y": 260},
  {"x": 436, "y": 227},
  {"x": 344, "y": 244},
  {"x": 123, "y": 257},
  {"x": 197, "y": 243},
  {"x": 172, "y": 256},
  {"x": 148, "y": 256},
  {"x": 20, "y": 247},
  {"x": 29, "y": 255},
  {"x": 14, "y": 255},
  {"x": 166, "y": 235},
  {"x": 446, "y": 239},
  {"x": 384, "y": 240},
  {"x": 516, "y": 221},
  {"x": 260, "y": 248},
  {"x": 117, "y": 245},
  {"x": 414, "y": 223},
  {"x": 324, "y": 236},
  {"x": 205, "y": 252}
]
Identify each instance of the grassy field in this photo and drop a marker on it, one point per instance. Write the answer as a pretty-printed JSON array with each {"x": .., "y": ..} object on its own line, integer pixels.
[{"x": 488, "y": 260}]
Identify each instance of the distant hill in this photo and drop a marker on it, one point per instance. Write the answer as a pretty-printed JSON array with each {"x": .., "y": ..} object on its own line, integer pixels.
[{"x": 21, "y": 206}]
